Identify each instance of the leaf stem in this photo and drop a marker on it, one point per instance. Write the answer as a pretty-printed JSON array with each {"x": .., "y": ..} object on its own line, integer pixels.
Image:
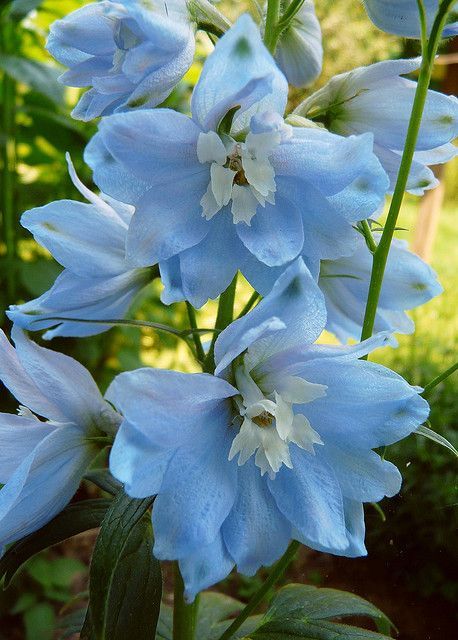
[
  {"x": 184, "y": 615},
  {"x": 440, "y": 378},
  {"x": 8, "y": 159},
  {"x": 275, "y": 575},
  {"x": 421, "y": 94},
  {"x": 195, "y": 335}
]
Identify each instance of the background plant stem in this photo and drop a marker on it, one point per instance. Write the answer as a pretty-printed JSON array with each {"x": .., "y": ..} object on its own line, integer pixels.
[
  {"x": 381, "y": 253},
  {"x": 184, "y": 615},
  {"x": 8, "y": 159}
]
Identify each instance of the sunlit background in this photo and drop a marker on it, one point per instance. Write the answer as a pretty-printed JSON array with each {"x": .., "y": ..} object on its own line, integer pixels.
[{"x": 413, "y": 559}]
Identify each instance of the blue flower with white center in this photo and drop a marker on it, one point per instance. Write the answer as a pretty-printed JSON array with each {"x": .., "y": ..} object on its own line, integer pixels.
[
  {"x": 97, "y": 282},
  {"x": 42, "y": 462},
  {"x": 278, "y": 444},
  {"x": 379, "y": 100},
  {"x": 131, "y": 53},
  {"x": 408, "y": 283},
  {"x": 401, "y": 17},
  {"x": 299, "y": 51},
  {"x": 234, "y": 185}
]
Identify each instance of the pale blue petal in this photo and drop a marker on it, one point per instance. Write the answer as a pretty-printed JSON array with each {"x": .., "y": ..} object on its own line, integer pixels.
[
  {"x": 64, "y": 380},
  {"x": 155, "y": 399},
  {"x": 19, "y": 435},
  {"x": 87, "y": 29},
  {"x": 198, "y": 490},
  {"x": 139, "y": 461},
  {"x": 205, "y": 567},
  {"x": 327, "y": 233},
  {"x": 421, "y": 178},
  {"x": 310, "y": 497},
  {"x": 82, "y": 237},
  {"x": 255, "y": 532},
  {"x": 329, "y": 162},
  {"x": 43, "y": 484},
  {"x": 168, "y": 218},
  {"x": 299, "y": 50},
  {"x": 363, "y": 475},
  {"x": 23, "y": 387},
  {"x": 82, "y": 298},
  {"x": 275, "y": 235},
  {"x": 295, "y": 302},
  {"x": 242, "y": 72},
  {"x": 116, "y": 178},
  {"x": 208, "y": 268},
  {"x": 401, "y": 17},
  {"x": 172, "y": 280},
  {"x": 385, "y": 409}
]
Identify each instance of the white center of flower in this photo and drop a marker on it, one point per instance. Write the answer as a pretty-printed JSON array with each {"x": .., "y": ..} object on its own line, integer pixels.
[
  {"x": 240, "y": 171},
  {"x": 269, "y": 423}
]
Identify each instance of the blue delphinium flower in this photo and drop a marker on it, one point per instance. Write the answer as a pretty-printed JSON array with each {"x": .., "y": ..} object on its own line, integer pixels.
[
  {"x": 131, "y": 53},
  {"x": 408, "y": 283},
  {"x": 401, "y": 17},
  {"x": 42, "y": 462},
  {"x": 234, "y": 184},
  {"x": 378, "y": 99},
  {"x": 299, "y": 51},
  {"x": 278, "y": 444},
  {"x": 97, "y": 283}
]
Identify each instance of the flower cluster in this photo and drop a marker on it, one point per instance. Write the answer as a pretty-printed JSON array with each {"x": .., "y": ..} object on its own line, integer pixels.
[{"x": 277, "y": 440}]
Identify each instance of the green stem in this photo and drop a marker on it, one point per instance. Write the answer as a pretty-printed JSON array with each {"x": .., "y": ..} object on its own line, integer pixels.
[
  {"x": 440, "y": 378},
  {"x": 272, "y": 17},
  {"x": 196, "y": 337},
  {"x": 381, "y": 253},
  {"x": 184, "y": 615},
  {"x": 8, "y": 156},
  {"x": 223, "y": 319},
  {"x": 275, "y": 575}
]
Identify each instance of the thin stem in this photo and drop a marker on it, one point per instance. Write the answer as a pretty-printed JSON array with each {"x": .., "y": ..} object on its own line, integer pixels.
[
  {"x": 440, "y": 378},
  {"x": 275, "y": 575},
  {"x": 272, "y": 17},
  {"x": 253, "y": 298},
  {"x": 381, "y": 253},
  {"x": 196, "y": 337},
  {"x": 8, "y": 155},
  {"x": 184, "y": 615},
  {"x": 224, "y": 317}
]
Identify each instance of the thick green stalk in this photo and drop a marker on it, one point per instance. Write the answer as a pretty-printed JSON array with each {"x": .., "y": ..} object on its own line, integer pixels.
[
  {"x": 381, "y": 253},
  {"x": 272, "y": 18},
  {"x": 184, "y": 615},
  {"x": 274, "y": 576},
  {"x": 8, "y": 160},
  {"x": 223, "y": 319}
]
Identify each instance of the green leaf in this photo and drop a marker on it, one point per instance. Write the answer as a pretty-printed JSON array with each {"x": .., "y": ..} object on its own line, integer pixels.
[
  {"x": 304, "y": 611},
  {"x": 214, "y": 615},
  {"x": 39, "y": 622},
  {"x": 74, "y": 519},
  {"x": 125, "y": 580},
  {"x": 426, "y": 432},
  {"x": 36, "y": 75},
  {"x": 20, "y": 8}
]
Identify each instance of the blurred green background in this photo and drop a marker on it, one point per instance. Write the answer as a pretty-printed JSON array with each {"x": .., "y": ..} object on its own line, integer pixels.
[{"x": 412, "y": 568}]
